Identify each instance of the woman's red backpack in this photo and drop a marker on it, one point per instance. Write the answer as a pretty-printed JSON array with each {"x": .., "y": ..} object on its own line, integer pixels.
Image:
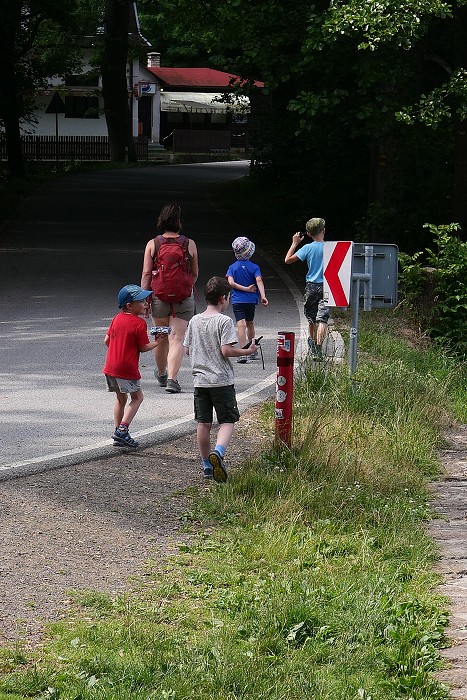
[{"x": 172, "y": 281}]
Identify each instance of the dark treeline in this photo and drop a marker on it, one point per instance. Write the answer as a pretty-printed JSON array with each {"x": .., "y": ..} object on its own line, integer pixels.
[{"x": 363, "y": 120}]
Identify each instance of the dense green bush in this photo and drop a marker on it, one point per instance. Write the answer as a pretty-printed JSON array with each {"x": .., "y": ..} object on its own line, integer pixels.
[{"x": 440, "y": 304}]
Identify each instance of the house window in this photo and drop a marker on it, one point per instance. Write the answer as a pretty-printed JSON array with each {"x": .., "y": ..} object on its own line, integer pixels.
[{"x": 81, "y": 107}]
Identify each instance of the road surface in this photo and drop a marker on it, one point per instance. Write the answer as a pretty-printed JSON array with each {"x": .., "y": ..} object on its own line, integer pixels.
[{"x": 63, "y": 257}]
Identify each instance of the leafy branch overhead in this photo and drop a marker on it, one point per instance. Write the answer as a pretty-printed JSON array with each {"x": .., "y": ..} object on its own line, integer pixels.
[{"x": 352, "y": 86}]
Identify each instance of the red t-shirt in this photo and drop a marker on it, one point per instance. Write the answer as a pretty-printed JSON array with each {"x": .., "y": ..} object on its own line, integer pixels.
[{"x": 127, "y": 334}]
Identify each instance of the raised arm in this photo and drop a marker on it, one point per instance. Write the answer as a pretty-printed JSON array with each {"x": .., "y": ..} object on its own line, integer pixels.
[{"x": 290, "y": 256}]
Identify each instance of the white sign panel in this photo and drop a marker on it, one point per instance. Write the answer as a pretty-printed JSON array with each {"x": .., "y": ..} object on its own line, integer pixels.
[
  {"x": 337, "y": 272},
  {"x": 147, "y": 89}
]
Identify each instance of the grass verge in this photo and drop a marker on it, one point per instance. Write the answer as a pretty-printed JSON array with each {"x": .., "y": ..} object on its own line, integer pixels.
[{"x": 310, "y": 576}]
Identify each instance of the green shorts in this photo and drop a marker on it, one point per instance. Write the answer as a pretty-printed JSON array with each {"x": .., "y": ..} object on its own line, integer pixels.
[{"x": 220, "y": 398}]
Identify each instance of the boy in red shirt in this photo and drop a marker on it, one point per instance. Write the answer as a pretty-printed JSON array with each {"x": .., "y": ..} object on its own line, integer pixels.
[{"x": 126, "y": 338}]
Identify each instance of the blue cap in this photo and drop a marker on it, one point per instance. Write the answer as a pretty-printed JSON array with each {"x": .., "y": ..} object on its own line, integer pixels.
[{"x": 131, "y": 292}]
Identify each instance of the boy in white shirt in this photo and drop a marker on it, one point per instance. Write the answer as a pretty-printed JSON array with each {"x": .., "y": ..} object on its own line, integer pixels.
[{"x": 209, "y": 343}]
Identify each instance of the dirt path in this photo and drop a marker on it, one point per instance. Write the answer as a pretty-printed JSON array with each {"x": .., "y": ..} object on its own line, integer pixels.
[
  {"x": 450, "y": 531},
  {"x": 92, "y": 526}
]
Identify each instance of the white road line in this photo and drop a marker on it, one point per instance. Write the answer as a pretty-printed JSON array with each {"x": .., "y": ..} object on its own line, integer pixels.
[{"x": 264, "y": 384}]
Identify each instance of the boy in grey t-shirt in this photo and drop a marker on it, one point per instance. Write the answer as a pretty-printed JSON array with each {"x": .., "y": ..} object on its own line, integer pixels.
[{"x": 209, "y": 342}]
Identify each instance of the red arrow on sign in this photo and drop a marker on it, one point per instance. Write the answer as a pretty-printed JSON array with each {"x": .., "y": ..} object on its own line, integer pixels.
[{"x": 331, "y": 272}]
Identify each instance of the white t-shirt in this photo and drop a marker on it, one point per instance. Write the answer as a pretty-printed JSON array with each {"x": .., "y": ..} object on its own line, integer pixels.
[{"x": 204, "y": 337}]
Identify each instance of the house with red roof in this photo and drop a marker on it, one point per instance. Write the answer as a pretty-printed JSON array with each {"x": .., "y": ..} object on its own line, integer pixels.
[
  {"x": 184, "y": 109},
  {"x": 192, "y": 109}
]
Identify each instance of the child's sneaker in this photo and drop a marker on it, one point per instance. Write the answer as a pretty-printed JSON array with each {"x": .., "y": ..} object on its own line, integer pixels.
[
  {"x": 122, "y": 438},
  {"x": 208, "y": 473},
  {"x": 315, "y": 350},
  {"x": 242, "y": 360},
  {"x": 254, "y": 356},
  {"x": 312, "y": 345},
  {"x": 218, "y": 470}
]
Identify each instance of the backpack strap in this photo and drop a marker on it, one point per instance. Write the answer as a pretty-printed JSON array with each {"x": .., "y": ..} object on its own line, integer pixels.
[
  {"x": 159, "y": 240},
  {"x": 184, "y": 241},
  {"x": 157, "y": 244}
]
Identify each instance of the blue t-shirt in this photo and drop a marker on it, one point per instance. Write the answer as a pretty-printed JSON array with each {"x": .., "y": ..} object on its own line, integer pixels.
[
  {"x": 312, "y": 254},
  {"x": 244, "y": 272}
]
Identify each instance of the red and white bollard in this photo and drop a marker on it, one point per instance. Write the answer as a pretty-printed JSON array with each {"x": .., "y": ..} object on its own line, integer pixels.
[{"x": 284, "y": 388}]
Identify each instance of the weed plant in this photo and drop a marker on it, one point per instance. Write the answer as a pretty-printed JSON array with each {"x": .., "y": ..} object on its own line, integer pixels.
[{"x": 311, "y": 575}]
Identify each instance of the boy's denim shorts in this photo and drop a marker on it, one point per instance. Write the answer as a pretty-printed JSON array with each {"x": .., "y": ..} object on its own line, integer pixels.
[
  {"x": 244, "y": 311},
  {"x": 221, "y": 398},
  {"x": 124, "y": 386},
  {"x": 316, "y": 310}
]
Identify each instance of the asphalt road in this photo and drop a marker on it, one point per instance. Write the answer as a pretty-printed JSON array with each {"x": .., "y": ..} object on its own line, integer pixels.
[{"x": 63, "y": 257}]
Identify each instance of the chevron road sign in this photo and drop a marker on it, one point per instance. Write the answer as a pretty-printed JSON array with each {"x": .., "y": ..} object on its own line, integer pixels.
[{"x": 337, "y": 272}]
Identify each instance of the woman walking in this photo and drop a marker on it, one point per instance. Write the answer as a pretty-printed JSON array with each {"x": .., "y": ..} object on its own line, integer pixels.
[{"x": 170, "y": 270}]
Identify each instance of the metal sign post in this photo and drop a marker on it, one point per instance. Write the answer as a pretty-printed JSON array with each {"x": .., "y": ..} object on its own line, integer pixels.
[
  {"x": 373, "y": 268},
  {"x": 56, "y": 106}
]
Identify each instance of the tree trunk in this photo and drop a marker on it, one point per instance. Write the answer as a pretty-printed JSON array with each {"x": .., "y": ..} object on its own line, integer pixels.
[
  {"x": 114, "y": 81},
  {"x": 10, "y": 111}
]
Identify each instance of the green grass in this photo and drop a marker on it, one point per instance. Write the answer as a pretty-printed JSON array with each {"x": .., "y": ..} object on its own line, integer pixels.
[{"x": 308, "y": 575}]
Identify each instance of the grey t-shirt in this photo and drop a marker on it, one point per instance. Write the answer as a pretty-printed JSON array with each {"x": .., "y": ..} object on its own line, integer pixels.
[{"x": 204, "y": 337}]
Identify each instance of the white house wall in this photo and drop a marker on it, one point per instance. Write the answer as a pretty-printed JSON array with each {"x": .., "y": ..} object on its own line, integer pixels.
[
  {"x": 141, "y": 75},
  {"x": 66, "y": 126},
  {"x": 46, "y": 126}
]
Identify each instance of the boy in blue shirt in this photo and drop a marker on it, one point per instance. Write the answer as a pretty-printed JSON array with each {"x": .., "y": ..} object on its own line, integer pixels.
[
  {"x": 246, "y": 281},
  {"x": 316, "y": 311}
]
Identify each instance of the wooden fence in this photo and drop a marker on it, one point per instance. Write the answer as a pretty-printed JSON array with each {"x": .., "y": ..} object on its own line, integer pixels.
[{"x": 71, "y": 148}]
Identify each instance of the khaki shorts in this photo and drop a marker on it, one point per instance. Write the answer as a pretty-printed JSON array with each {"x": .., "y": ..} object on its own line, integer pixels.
[
  {"x": 184, "y": 310},
  {"x": 123, "y": 386}
]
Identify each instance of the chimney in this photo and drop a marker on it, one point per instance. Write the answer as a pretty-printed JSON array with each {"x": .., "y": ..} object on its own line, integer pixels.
[{"x": 154, "y": 60}]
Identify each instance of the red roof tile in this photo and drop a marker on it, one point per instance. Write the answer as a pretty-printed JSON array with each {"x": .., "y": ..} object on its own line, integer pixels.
[{"x": 195, "y": 77}]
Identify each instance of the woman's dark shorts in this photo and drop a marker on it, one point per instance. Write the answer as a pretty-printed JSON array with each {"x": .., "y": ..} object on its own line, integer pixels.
[
  {"x": 244, "y": 311},
  {"x": 316, "y": 310},
  {"x": 221, "y": 398}
]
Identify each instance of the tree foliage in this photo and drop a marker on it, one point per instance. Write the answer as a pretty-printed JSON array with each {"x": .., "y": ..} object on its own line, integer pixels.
[
  {"x": 39, "y": 39},
  {"x": 433, "y": 287},
  {"x": 366, "y": 102}
]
